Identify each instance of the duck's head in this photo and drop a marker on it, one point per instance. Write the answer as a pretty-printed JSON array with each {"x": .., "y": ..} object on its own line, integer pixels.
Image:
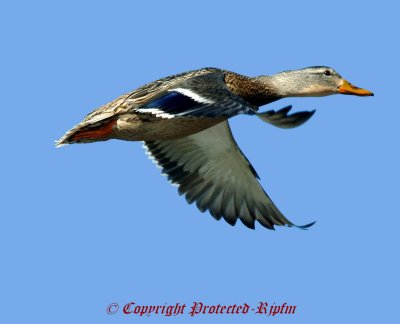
[{"x": 312, "y": 82}]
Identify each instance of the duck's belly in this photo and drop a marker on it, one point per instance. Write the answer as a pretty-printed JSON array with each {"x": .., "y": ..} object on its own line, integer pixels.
[{"x": 150, "y": 128}]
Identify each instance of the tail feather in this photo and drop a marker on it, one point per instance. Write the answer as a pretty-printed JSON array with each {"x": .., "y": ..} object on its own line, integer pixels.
[{"x": 88, "y": 132}]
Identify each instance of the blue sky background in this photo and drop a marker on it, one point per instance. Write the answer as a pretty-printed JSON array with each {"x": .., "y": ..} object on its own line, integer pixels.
[{"x": 88, "y": 225}]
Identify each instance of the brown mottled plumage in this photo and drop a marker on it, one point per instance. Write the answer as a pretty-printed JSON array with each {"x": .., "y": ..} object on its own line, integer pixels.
[
  {"x": 183, "y": 121},
  {"x": 253, "y": 90}
]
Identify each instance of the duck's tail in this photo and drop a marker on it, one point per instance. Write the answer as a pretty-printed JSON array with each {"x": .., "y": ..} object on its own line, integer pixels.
[{"x": 88, "y": 132}]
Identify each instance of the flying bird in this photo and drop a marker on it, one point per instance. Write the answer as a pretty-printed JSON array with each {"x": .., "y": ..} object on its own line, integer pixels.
[{"x": 183, "y": 122}]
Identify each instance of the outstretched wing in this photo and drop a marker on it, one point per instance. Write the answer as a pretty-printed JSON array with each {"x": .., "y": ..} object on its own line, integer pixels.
[
  {"x": 201, "y": 96},
  {"x": 210, "y": 170}
]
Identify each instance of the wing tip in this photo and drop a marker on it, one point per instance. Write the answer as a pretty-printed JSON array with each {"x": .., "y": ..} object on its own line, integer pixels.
[
  {"x": 282, "y": 119},
  {"x": 305, "y": 227}
]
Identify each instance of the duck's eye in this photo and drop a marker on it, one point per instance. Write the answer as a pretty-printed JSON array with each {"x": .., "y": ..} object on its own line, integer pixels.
[{"x": 327, "y": 73}]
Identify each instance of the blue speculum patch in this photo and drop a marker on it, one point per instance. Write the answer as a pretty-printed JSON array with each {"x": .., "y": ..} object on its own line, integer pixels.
[{"x": 173, "y": 103}]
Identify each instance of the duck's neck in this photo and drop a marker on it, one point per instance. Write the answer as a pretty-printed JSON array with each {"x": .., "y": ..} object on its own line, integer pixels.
[
  {"x": 257, "y": 91},
  {"x": 283, "y": 84},
  {"x": 262, "y": 90},
  {"x": 294, "y": 84},
  {"x": 286, "y": 84}
]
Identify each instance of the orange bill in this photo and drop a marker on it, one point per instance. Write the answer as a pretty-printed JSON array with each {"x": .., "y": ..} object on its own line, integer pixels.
[{"x": 349, "y": 89}]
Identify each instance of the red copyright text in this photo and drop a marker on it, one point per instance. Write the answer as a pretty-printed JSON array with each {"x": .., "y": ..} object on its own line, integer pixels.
[{"x": 199, "y": 308}]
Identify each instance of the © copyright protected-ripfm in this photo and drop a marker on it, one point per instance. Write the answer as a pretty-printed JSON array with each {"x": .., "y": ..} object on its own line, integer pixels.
[{"x": 199, "y": 308}]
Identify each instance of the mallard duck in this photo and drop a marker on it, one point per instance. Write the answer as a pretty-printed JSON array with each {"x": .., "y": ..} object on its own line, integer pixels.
[{"x": 183, "y": 121}]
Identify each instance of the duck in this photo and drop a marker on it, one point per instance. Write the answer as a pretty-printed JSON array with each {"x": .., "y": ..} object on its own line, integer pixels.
[{"x": 182, "y": 121}]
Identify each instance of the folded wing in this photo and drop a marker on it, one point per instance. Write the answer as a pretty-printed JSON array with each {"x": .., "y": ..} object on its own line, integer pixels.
[{"x": 201, "y": 96}]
